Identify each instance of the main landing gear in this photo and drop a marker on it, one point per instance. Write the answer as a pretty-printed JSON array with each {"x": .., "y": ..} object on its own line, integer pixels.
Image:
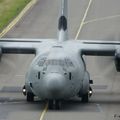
[
  {"x": 85, "y": 97},
  {"x": 54, "y": 104},
  {"x": 29, "y": 95}
]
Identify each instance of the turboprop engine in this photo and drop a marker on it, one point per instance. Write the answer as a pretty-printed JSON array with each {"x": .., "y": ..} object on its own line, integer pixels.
[{"x": 117, "y": 60}]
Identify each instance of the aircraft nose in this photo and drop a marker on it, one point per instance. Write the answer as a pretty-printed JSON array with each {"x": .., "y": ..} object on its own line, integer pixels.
[{"x": 55, "y": 84}]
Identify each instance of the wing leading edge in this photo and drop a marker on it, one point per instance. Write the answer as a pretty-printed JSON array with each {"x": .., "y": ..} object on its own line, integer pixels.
[
  {"x": 100, "y": 48},
  {"x": 21, "y": 46}
]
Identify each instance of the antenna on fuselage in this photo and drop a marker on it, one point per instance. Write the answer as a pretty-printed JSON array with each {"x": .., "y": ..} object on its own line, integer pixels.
[{"x": 62, "y": 23}]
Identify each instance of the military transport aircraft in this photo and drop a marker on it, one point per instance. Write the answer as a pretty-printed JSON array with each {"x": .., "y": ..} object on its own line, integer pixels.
[{"x": 58, "y": 70}]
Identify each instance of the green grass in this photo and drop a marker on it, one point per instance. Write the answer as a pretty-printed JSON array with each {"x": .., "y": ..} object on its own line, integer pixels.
[{"x": 9, "y": 9}]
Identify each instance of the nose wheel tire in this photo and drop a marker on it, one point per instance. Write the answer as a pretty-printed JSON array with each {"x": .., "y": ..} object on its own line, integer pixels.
[
  {"x": 30, "y": 97},
  {"x": 54, "y": 104},
  {"x": 58, "y": 104},
  {"x": 85, "y": 98},
  {"x": 50, "y": 104}
]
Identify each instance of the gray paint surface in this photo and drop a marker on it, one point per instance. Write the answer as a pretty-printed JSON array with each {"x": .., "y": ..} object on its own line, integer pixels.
[{"x": 102, "y": 69}]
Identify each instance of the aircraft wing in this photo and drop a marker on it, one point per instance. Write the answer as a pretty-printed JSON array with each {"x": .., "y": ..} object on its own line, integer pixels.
[
  {"x": 21, "y": 46},
  {"x": 100, "y": 48}
]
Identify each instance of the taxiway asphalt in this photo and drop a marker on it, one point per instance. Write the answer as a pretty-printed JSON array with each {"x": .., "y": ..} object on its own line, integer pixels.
[{"x": 101, "y": 23}]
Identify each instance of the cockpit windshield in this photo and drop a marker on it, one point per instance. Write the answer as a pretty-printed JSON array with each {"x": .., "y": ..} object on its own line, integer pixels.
[{"x": 56, "y": 62}]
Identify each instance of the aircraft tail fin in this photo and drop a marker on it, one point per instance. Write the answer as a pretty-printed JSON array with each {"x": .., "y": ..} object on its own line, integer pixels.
[{"x": 62, "y": 23}]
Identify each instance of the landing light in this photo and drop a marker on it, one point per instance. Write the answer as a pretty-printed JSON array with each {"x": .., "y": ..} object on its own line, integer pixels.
[
  {"x": 24, "y": 90},
  {"x": 90, "y": 93}
]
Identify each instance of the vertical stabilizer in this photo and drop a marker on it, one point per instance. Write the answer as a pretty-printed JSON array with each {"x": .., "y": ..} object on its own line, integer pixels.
[{"x": 63, "y": 24}]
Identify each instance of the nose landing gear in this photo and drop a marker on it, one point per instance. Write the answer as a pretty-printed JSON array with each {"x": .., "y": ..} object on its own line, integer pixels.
[{"x": 54, "y": 104}]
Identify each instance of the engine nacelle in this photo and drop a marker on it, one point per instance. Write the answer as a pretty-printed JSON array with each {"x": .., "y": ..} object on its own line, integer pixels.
[{"x": 117, "y": 60}]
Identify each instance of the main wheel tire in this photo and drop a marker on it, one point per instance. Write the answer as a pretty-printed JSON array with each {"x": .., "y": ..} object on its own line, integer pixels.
[
  {"x": 85, "y": 98},
  {"x": 30, "y": 97},
  {"x": 58, "y": 104}
]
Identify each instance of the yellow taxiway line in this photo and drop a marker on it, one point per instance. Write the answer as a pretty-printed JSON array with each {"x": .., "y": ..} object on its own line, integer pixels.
[
  {"x": 79, "y": 30},
  {"x": 44, "y": 111},
  {"x": 16, "y": 20},
  {"x": 84, "y": 17}
]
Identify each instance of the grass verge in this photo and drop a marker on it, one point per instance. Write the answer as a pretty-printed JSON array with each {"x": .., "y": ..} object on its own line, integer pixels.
[{"x": 9, "y": 9}]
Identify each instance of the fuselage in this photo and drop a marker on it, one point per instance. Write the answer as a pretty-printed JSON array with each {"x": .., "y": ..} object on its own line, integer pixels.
[{"x": 56, "y": 73}]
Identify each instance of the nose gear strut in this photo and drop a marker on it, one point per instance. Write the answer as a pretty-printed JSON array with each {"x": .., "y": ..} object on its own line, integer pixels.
[{"x": 54, "y": 104}]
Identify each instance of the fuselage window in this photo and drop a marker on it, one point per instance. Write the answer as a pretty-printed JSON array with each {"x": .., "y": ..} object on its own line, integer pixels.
[
  {"x": 70, "y": 76},
  {"x": 38, "y": 75}
]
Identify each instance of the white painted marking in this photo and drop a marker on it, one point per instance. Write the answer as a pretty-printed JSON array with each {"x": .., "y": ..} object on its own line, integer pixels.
[
  {"x": 84, "y": 17},
  {"x": 99, "y": 107}
]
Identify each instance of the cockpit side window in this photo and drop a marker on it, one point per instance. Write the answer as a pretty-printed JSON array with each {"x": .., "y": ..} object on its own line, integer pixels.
[
  {"x": 69, "y": 63},
  {"x": 41, "y": 61}
]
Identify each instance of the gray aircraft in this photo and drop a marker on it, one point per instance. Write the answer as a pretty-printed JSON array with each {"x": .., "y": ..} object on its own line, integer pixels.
[{"x": 58, "y": 71}]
